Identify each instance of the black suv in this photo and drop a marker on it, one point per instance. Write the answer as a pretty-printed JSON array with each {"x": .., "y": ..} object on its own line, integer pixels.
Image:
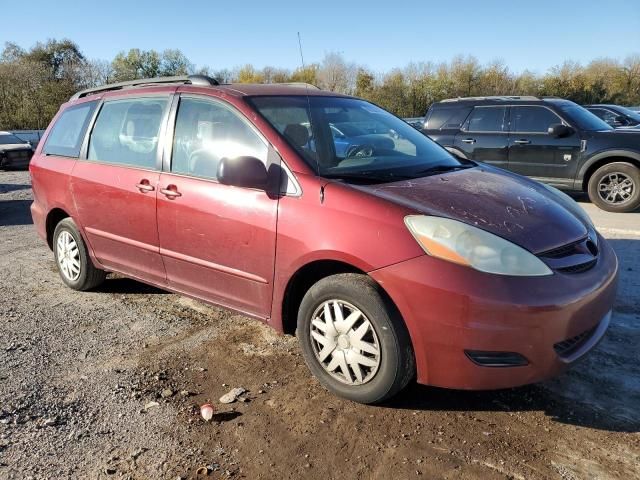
[
  {"x": 615, "y": 115},
  {"x": 551, "y": 140}
]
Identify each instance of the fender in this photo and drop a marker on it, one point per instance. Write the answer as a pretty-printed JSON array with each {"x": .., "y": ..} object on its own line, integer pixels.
[{"x": 605, "y": 154}]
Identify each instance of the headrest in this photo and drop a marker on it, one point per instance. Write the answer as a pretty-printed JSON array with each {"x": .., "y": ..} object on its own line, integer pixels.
[{"x": 298, "y": 134}]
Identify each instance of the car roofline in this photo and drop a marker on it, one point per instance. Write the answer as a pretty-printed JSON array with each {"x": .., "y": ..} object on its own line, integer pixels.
[
  {"x": 199, "y": 80},
  {"x": 186, "y": 80},
  {"x": 496, "y": 98}
]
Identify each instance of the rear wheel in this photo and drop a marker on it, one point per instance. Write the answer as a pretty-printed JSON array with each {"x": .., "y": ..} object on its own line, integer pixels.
[
  {"x": 72, "y": 258},
  {"x": 353, "y": 339},
  {"x": 615, "y": 187}
]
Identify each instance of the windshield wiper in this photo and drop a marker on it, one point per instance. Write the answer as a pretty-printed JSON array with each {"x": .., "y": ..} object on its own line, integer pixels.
[
  {"x": 442, "y": 168},
  {"x": 367, "y": 177},
  {"x": 377, "y": 177}
]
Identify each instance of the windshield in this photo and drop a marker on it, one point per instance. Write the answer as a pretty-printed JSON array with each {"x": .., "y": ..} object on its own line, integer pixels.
[
  {"x": 583, "y": 118},
  {"x": 8, "y": 139},
  {"x": 354, "y": 140}
]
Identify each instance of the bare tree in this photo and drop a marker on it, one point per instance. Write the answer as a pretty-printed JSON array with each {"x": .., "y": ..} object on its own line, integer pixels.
[{"x": 336, "y": 74}]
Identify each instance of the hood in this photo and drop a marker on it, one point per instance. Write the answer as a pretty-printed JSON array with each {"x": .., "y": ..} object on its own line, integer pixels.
[
  {"x": 512, "y": 207},
  {"x": 14, "y": 146},
  {"x": 617, "y": 138}
]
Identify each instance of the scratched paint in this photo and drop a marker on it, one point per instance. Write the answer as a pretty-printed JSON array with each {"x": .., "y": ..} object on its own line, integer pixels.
[{"x": 502, "y": 203}]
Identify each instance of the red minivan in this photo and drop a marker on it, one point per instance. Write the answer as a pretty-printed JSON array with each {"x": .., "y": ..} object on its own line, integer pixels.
[{"x": 324, "y": 215}]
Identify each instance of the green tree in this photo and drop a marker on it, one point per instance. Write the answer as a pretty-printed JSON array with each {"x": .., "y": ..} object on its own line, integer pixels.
[
  {"x": 308, "y": 74},
  {"x": 364, "y": 83},
  {"x": 174, "y": 62},
  {"x": 465, "y": 76},
  {"x": 136, "y": 64},
  {"x": 248, "y": 74},
  {"x": 62, "y": 57}
]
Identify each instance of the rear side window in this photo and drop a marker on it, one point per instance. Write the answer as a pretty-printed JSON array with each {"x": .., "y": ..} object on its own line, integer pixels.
[
  {"x": 600, "y": 112},
  {"x": 206, "y": 132},
  {"x": 453, "y": 117},
  {"x": 67, "y": 134},
  {"x": 487, "y": 119},
  {"x": 532, "y": 119},
  {"x": 127, "y": 132},
  {"x": 606, "y": 115}
]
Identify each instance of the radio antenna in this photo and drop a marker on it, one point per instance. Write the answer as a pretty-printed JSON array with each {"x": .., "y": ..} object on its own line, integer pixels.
[
  {"x": 300, "y": 47},
  {"x": 306, "y": 87}
]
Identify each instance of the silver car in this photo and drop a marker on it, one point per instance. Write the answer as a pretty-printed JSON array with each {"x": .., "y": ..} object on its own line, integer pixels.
[{"x": 14, "y": 152}]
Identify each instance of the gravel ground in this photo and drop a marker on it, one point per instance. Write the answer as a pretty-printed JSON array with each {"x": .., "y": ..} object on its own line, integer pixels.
[{"x": 107, "y": 384}]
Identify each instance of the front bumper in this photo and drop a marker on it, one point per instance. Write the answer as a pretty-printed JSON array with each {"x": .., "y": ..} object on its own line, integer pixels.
[
  {"x": 450, "y": 309},
  {"x": 18, "y": 158}
]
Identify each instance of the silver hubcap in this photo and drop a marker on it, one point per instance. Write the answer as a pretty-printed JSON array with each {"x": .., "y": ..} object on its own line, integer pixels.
[
  {"x": 345, "y": 342},
  {"x": 68, "y": 256},
  {"x": 616, "y": 188}
]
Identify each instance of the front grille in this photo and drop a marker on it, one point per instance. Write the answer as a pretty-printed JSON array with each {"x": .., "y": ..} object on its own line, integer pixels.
[
  {"x": 18, "y": 156},
  {"x": 570, "y": 345},
  {"x": 582, "y": 267},
  {"x": 562, "y": 251},
  {"x": 574, "y": 257}
]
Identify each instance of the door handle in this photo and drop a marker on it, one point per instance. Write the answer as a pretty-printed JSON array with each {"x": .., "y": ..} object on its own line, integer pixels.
[
  {"x": 170, "y": 192},
  {"x": 522, "y": 142},
  {"x": 144, "y": 186},
  {"x": 469, "y": 140}
]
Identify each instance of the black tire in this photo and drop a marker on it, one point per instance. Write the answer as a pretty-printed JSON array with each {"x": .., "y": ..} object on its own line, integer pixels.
[
  {"x": 627, "y": 170},
  {"x": 396, "y": 365},
  {"x": 89, "y": 276}
]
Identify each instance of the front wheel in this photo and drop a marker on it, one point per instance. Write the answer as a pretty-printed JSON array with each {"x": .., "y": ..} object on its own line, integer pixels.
[
  {"x": 72, "y": 258},
  {"x": 353, "y": 339},
  {"x": 615, "y": 187}
]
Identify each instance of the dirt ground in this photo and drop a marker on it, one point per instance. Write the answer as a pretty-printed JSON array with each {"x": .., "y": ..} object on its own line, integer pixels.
[{"x": 107, "y": 384}]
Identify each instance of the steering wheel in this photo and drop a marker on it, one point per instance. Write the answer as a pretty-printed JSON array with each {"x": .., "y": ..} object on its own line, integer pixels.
[{"x": 359, "y": 151}]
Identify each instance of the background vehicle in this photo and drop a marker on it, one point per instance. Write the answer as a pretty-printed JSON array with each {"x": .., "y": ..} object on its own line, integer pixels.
[
  {"x": 350, "y": 139},
  {"x": 552, "y": 140},
  {"x": 615, "y": 115},
  {"x": 32, "y": 137},
  {"x": 415, "y": 122},
  {"x": 14, "y": 152},
  {"x": 240, "y": 196}
]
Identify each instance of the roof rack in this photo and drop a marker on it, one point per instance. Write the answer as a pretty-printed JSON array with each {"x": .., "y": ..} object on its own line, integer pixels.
[
  {"x": 198, "y": 80},
  {"x": 494, "y": 97}
]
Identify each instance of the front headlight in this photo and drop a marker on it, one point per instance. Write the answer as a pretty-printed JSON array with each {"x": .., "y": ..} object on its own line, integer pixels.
[{"x": 463, "y": 244}]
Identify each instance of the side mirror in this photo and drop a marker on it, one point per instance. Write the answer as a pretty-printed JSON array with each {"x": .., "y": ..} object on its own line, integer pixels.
[
  {"x": 247, "y": 172},
  {"x": 559, "y": 130}
]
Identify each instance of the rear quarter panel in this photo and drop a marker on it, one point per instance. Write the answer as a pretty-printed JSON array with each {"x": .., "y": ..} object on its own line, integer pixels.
[
  {"x": 50, "y": 183},
  {"x": 50, "y": 179}
]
